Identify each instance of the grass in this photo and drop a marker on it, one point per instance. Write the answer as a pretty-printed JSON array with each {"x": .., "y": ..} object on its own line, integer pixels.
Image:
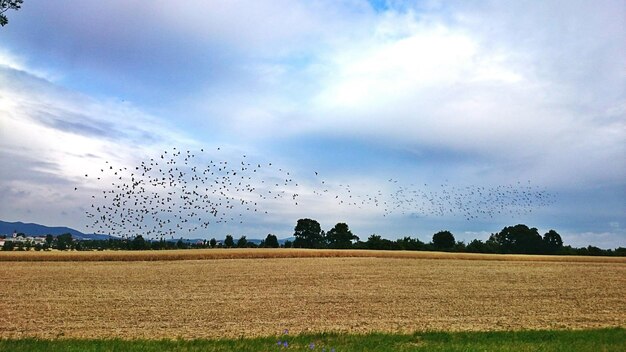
[
  {"x": 610, "y": 339},
  {"x": 264, "y": 253}
]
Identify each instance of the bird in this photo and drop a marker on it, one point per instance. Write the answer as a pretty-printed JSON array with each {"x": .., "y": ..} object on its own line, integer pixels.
[{"x": 195, "y": 192}]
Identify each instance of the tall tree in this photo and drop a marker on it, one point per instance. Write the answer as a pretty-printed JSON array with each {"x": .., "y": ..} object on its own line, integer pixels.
[
  {"x": 229, "y": 242},
  {"x": 64, "y": 241},
  {"x": 49, "y": 240},
  {"x": 517, "y": 239},
  {"x": 6, "y": 5},
  {"x": 139, "y": 243},
  {"x": 308, "y": 234},
  {"x": 340, "y": 236},
  {"x": 242, "y": 242},
  {"x": 271, "y": 241},
  {"x": 181, "y": 244},
  {"x": 552, "y": 242},
  {"x": 443, "y": 240}
]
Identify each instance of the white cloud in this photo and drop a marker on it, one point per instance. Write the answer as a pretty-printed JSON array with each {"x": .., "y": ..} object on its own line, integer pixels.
[
  {"x": 604, "y": 240},
  {"x": 52, "y": 137},
  {"x": 387, "y": 71},
  {"x": 15, "y": 62},
  {"x": 511, "y": 91}
]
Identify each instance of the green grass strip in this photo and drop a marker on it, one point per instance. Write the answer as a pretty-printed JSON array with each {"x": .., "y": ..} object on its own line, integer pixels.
[{"x": 612, "y": 339}]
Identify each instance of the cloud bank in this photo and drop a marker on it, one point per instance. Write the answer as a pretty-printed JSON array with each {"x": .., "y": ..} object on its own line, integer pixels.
[{"x": 473, "y": 93}]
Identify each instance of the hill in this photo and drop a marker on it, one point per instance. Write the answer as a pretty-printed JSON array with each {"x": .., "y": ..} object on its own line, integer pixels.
[
  {"x": 31, "y": 229},
  {"x": 7, "y": 228}
]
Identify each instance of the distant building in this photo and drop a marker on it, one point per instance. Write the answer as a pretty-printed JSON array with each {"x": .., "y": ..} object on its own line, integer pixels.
[{"x": 33, "y": 240}]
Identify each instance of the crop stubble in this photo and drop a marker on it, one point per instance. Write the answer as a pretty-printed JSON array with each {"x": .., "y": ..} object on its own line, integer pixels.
[{"x": 251, "y": 297}]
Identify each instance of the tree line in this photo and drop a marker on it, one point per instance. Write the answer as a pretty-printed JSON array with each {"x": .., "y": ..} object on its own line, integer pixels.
[{"x": 518, "y": 239}]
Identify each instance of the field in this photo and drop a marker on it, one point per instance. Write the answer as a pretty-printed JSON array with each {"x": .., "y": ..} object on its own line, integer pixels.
[
  {"x": 264, "y": 253},
  {"x": 306, "y": 293}
]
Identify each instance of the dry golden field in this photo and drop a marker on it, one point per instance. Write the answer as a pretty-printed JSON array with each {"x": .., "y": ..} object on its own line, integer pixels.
[
  {"x": 252, "y": 296},
  {"x": 246, "y": 253}
]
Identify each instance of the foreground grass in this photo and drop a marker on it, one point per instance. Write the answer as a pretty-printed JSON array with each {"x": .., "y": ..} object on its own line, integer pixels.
[{"x": 613, "y": 339}]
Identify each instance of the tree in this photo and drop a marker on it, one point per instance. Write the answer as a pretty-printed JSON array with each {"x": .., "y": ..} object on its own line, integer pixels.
[
  {"x": 288, "y": 244},
  {"x": 213, "y": 242},
  {"x": 478, "y": 246},
  {"x": 8, "y": 246},
  {"x": 6, "y": 5},
  {"x": 160, "y": 244},
  {"x": 180, "y": 244},
  {"x": 271, "y": 241},
  {"x": 340, "y": 236},
  {"x": 242, "y": 242},
  {"x": 64, "y": 241},
  {"x": 409, "y": 244},
  {"x": 229, "y": 242},
  {"x": 49, "y": 240},
  {"x": 377, "y": 242},
  {"x": 552, "y": 242},
  {"x": 443, "y": 240},
  {"x": 138, "y": 243},
  {"x": 308, "y": 234},
  {"x": 593, "y": 250},
  {"x": 517, "y": 239}
]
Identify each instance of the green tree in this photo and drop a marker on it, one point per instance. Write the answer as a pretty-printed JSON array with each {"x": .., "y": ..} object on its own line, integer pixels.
[
  {"x": 8, "y": 246},
  {"x": 6, "y": 5},
  {"x": 308, "y": 234},
  {"x": 242, "y": 242},
  {"x": 158, "y": 245},
  {"x": 229, "y": 242},
  {"x": 180, "y": 244},
  {"x": 288, "y": 244},
  {"x": 443, "y": 240},
  {"x": 138, "y": 243},
  {"x": 377, "y": 242},
  {"x": 271, "y": 241},
  {"x": 409, "y": 244},
  {"x": 552, "y": 242},
  {"x": 340, "y": 236},
  {"x": 213, "y": 242},
  {"x": 517, "y": 239},
  {"x": 478, "y": 246},
  {"x": 593, "y": 250},
  {"x": 49, "y": 240},
  {"x": 64, "y": 241}
]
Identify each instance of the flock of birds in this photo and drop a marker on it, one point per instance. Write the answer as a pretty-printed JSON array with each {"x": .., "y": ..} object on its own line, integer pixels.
[{"x": 180, "y": 192}]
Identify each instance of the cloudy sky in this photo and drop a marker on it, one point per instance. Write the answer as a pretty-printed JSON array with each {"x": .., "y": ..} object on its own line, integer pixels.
[{"x": 440, "y": 97}]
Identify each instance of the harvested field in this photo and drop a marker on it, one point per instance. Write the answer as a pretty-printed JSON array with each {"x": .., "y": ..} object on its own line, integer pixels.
[
  {"x": 246, "y": 253},
  {"x": 252, "y": 297}
]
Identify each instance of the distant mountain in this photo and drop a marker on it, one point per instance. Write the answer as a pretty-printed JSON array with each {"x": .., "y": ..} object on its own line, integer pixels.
[
  {"x": 7, "y": 228},
  {"x": 290, "y": 239}
]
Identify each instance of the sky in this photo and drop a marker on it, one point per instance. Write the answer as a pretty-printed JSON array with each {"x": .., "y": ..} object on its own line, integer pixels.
[{"x": 430, "y": 108}]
